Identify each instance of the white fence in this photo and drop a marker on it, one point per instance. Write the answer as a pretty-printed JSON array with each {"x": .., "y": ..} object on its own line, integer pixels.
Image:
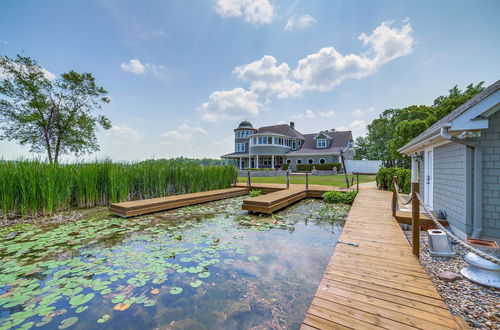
[{"x": 363, "y": 166}]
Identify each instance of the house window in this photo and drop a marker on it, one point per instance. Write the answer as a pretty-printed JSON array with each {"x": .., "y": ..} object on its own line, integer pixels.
[
  {"x": 269, "y": 140},
  {"x": 322, "y": 161},
  {"x": 321, "y": 143},
  {"x": 310, "y": 161},
  {"x": 298, "y": 161},
  {"x": 288, "y": 161},
  {"x": 294, "y": 144},
  {"x": 275, "y": 140},
  {"x": 254, "y": 141},
  {"x": 240, "y": 147},
  {"x": 350, "y": 144}
]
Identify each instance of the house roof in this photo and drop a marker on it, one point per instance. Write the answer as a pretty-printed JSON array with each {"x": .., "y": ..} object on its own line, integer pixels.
[
  {"x": 339, "y": 141},
  {"x": 245, "y": 124},
  {"x": 235, "y": 154},
  {"x": 283, "y": 129},
  {"x": 452, "y": 115}
]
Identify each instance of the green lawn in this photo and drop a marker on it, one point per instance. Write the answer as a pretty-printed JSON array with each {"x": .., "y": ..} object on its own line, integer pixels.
[{"x": 327, "y": 180}]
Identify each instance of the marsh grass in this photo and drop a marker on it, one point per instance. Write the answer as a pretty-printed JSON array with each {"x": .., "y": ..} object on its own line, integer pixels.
[{"x": 34, "y": 187}]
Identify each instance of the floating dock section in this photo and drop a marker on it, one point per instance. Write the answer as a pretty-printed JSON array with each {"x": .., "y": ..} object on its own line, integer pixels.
[{"x": 133, "y": 208}]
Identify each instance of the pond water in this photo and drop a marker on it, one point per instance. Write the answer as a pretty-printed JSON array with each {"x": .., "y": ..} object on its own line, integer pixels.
[{"x": 211, "y": 266}]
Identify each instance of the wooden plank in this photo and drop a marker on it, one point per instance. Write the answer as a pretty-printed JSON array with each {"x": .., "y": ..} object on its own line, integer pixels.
[
  {"x": 320, "y": 323},
  {"x": 342, "y": 319}
]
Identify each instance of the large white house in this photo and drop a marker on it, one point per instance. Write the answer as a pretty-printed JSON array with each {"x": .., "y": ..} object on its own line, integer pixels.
[{"x": 273, "y": 146}]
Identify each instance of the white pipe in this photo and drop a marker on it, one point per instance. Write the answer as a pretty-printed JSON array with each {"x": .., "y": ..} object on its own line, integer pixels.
[{"x": 477, "y": 227}]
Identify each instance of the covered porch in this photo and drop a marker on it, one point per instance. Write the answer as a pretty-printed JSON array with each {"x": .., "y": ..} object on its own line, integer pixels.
[{"x": 243, "y": 161}]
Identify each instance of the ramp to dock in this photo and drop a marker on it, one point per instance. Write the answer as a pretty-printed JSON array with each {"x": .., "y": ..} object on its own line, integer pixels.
[
  {"x": 133, "y": 208},
  {"x": 379, "y": 283}
]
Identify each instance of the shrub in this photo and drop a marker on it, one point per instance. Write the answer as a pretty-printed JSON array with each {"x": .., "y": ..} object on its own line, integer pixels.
[
  {"x": 254, "y": 193},
  {"x": 385, "y": 175},
  {"x": 340, "y": 197},
  {"x": 259, "y": 169},
  {"x": 285, "y": 167},
  {"x": 319, "y": 167}
]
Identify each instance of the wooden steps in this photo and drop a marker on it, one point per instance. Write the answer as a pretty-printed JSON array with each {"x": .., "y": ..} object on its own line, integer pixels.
[
  {"x": 133, "y": 208},
  {"x": 274, "y": 201},
  {"x": 379, "y": 283}
]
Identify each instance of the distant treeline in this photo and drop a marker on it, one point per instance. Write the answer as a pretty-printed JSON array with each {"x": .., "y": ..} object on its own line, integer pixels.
[{"x": 34, "y": 187}]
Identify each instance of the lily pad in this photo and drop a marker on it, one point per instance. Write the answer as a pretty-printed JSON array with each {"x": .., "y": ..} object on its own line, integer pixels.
[
  {"x": 119, "y": 298},
  {"x": 253, "y": 258},
  {"x": 204, "y": 274},
  {"x": 175, "y": 290},
  {"x": 81, "y": 299},
  {"x": 81, "y": 309},
  {"x": 103, "y": 319},
  {"x": 66, "y": 323},
  {"x": 196, "y": 283}
]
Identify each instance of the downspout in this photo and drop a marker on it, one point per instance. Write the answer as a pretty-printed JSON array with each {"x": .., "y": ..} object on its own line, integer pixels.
[{"x": 477, "y": 228}]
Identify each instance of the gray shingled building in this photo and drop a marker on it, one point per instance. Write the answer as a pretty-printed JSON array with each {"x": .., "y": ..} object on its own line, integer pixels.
[
  {"x": 459, "y": 165},
  {"x": 273, "y": 146}
]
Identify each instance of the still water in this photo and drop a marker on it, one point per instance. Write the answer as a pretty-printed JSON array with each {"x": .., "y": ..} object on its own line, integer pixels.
[{"x": 211, "y": 266}]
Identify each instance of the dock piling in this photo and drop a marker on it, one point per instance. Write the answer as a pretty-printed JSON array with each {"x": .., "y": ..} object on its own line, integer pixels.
[{"x": 415, "y": 220}]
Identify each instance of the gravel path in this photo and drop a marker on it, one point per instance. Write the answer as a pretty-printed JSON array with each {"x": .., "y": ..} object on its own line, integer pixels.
[{"x": 478, "y": 305}]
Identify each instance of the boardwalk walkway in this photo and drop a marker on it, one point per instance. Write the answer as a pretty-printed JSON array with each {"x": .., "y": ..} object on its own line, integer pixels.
[{"x": 378, "y": 284}]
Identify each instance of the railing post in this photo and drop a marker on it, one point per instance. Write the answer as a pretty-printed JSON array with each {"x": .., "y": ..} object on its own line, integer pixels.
[
  {"x": 394, "y": 195},
  {"x": 415, "y": 220},
  {"x": 307, "y": 182},
  {"x": 288, "y": 179},
  {"x": 235, "y": 179},
  {"x": 248, "y": 179},
  {"x": 357, "y": 181}
]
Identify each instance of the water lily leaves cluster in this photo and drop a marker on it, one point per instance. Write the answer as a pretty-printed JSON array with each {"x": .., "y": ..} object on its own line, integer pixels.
[{"x": 47, "y": 272}]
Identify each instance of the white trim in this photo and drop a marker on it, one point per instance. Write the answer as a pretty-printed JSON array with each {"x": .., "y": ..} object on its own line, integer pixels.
[
  {"x": 314, "y": 154},
  {"x": 288, "y": 161},
  {"x": 428, "y": 178}
]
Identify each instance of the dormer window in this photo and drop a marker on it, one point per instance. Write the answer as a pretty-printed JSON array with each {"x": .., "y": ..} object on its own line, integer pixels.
[
  {"x": 321, "y": 143},
  {"x": 350, "y": 144}
]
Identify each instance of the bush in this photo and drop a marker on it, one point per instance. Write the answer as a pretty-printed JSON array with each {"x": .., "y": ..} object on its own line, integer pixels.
[
  {"x": 385, "y": 175},
  {"x": 319, "y": 167},
  {"x": 258, "y": 169},
  {"x": 340, "y": 197},
  {"x": 254, "y": 193},
  {"x": 285, "y": 167}
]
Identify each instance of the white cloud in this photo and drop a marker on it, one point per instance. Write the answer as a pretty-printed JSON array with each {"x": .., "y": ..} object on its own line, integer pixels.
[
  {"x": 125, "y": 133},
  {"x": 134, "y": 65},
  {"x": 361, "y": 113},
  {"x": 327, "y": 68},
  {"x": 231, "y": 104},
  {"x": 193, "y": 129},
  {"x": 176, "y": 135},
  {"x": 329, "y": 113},
  {"x": 254, "y": 11},
  {"x": 310, "y": 114},
  {"x": 358, "y": 127},
  {"x": 300, "y": 22},
  {"x": 268, "y": 79}
]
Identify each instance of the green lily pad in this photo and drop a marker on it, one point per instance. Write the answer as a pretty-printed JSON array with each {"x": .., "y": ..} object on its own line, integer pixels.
[
  {"x": 66, "y": 323},
  {"x": 81, "y": 309},
  {"x": 118, "y": 299},
  {"x": 103, "y": 319},
  {"x": 175, "y": 290},
  {"x": 253, "y": 258},
  {"x": 196, "y": 283},
  {"x": 81, "y": 299},
  {"x": 204, "y": 274},
  {"x": 26, "y": 326}
]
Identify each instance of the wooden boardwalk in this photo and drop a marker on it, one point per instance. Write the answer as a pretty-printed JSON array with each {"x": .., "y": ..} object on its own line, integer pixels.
[
  {"x": 133, "y": 208},
  {"x": 379, "y": 284}
]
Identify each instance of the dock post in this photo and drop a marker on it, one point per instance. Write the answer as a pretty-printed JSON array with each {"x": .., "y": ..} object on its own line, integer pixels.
[
  {"x": 288, "y": 179},
  {"x": 394, "y": 195},
  {"x": 415, "y": 220},
  {"x": 248, "y": 179},
  {"x": 307, "y": 182},
  {"x": 357, "y": 181}
]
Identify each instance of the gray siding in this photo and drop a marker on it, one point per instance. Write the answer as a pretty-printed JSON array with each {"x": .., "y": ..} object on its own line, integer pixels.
[
  {"x": 490, "y": 142},
  {"x": 450, "y": 180},
  {"x": 268, "y": 150},
  {"x": 328, "y": 159}
]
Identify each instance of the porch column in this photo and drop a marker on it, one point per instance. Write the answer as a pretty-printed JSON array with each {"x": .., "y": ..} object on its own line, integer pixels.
[
  {"x": 256, "y": 161},
  {"x": 272, "y": 162},
  {"x": 241, "y": 163}
]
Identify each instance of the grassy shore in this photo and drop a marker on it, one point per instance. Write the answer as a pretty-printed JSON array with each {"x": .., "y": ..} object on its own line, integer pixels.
[{"x": 327, "y": 180}]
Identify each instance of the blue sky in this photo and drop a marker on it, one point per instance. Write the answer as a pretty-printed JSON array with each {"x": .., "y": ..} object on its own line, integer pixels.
[{"x": 182, "y": 74}]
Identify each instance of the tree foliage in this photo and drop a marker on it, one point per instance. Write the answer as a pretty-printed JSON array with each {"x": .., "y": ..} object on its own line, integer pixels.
[
  {"x": 52, "y": 116},
  {"x": 396, "y": 127}
]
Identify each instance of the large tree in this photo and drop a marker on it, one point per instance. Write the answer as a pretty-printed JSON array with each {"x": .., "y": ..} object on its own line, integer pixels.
[{"x": 53, "y": 116}]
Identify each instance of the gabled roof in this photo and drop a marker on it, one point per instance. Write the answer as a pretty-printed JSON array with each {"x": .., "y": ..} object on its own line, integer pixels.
[
  {"x": 452, "y": 115},
  {"x": 283, "y": 129},
  {"x": 339, "y": 141}
]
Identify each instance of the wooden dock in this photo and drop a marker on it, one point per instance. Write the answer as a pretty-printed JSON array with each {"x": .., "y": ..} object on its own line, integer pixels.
[
  {"x": 277, "y": 196},
  {"x": 133, "y": 208},
  {"x": 379, "y": 283}
]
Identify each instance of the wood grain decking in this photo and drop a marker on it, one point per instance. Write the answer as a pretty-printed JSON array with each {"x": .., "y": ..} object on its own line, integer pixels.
[
  {"x": 379, "y": 284},
  {"x": 133, "y": 208}
]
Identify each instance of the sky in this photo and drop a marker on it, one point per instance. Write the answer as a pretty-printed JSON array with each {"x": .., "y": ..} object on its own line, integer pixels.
[{"x": 181, "y": 75}]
